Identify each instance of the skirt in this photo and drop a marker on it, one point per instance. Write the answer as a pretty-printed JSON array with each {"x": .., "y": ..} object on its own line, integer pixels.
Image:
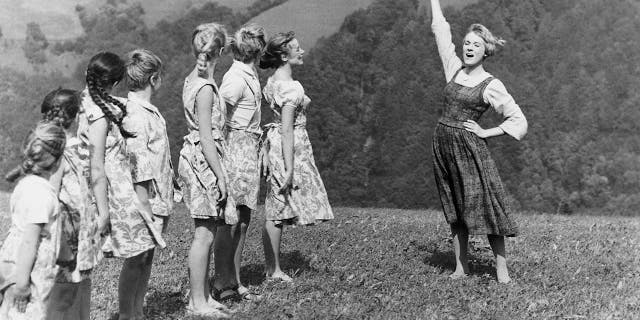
[
  {"x": 307, "y": 203},
  {"x": 243, "y": 168},
  {"x": 199, "y": 185},
  {"x": 470, "y": 188}
]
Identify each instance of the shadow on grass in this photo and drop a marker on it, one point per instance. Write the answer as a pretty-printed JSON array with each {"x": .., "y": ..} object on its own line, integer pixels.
[
  {"x": 292, "y": 263},
  {"x": 163, "y": 303},
  {"x": 445, "y": 259}
]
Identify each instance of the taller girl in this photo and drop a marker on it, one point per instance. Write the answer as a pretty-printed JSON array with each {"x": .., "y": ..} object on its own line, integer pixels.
[
  {"x": 241, "y": 92},
  {"x": 471, "y": 191},
  {"x": 102, "y": 134}
]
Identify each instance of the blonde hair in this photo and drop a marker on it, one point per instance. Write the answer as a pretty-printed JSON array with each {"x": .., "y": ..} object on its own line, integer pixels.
[
  {"x": 141, "y": 65},
  {"x": 248, "y": 42},
  {"x": 41, "y": 151},
  {"x": 490, "y": 41},
  {"x": 206, "y": 42}
]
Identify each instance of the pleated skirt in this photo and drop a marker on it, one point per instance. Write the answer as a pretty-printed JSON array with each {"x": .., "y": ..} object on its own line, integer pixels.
[{"x": 471, "y": 191}]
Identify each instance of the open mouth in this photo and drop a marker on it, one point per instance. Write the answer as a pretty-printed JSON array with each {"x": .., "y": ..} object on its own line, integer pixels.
[{"x": 469, "y": 55}]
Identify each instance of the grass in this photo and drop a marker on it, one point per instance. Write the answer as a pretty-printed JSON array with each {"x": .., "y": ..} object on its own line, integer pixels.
[{"x": 389, "y": 264}]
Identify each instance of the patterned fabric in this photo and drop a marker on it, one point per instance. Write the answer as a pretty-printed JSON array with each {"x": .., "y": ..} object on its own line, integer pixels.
[
  {"x": 470, "y": 188},
  {"x": 243, "y": 168},
  {"x": 149, "y": 152},
  {"x": 130, "y": 235},
  {"x": 24, "y": 211},
  {"x": 78, "y": 213},
  {"x": 307, "y": 202},
  {"x": 196, "y": 179}
]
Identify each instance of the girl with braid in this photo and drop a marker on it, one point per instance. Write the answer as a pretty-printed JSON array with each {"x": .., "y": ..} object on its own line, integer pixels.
[
  {"x": 132, "y": 231},
  {"x": 202, "y": 177},
  {"x": 28, "y": 254},
  {"x": 70, "y": 296}
]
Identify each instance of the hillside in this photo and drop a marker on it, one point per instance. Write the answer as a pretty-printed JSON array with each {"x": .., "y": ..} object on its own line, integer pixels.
[
  {"x": 59, "y": 20},
  {"x": 313, "y": 19}
]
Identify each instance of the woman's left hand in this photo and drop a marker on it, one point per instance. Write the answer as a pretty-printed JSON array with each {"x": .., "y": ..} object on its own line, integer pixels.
[{"x": 474, "y": 127}]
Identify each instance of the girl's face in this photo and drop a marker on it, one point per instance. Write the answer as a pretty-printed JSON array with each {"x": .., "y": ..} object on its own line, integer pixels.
[
  {"x": 473, "y": 50},
  {"x": 295, "y": 55}
]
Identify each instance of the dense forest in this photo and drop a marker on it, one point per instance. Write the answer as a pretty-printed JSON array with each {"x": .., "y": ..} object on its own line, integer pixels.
[{"x": 376, "y": 87}]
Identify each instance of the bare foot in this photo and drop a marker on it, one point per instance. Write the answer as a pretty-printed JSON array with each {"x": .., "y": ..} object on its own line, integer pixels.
[
  {"x": 502, "y": 274},
  {"x": 457, "y": 275},
  {"x": 280, "y": 276}
]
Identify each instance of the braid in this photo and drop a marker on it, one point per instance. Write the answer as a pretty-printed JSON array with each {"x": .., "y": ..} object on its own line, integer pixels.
[{"x": 99, "y": 97}]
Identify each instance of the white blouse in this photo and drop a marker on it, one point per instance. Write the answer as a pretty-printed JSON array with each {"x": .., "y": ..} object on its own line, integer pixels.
[{"x": 495, "y": 94}]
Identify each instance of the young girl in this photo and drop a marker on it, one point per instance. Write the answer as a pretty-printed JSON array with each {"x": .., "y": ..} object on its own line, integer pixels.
[
  {"x": 471, "y": 192},
  {"x": 101, "y": 133},
  {"x": 70, "y": 296},
  {"x": 202, "y": 176},
  {"x": 240, "y": 90},
  {"x": 296, "y": 194},
  {"x": 28, "y": 255},
  {"x": 148, "y": 152}
]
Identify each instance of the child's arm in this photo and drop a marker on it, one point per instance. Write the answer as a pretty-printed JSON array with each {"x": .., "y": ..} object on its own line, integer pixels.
[
  {"x": 20, "y": 292},
  {"x": 204, "y": 102},
  {"x": 143, "y": 191},
  {"x": 98, "y": 140}
]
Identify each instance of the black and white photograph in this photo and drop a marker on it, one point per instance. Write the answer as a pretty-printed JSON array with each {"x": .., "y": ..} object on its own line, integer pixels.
[{"x": 319, "y": 159}]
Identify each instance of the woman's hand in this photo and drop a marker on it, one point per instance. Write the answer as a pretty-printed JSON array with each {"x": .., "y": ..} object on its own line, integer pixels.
[
  {"x": 263, "y": 159},
  {"x": 222, "y": 187},
  {"x": 103, "y": 225},
  {"x": 287, "y": 184},
  {"x": 20, "y": 294},
  {"x": 474, "y": 127}
]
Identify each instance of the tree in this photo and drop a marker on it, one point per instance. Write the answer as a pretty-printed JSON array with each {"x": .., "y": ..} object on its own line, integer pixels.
[{"x": 35, "y": 44}]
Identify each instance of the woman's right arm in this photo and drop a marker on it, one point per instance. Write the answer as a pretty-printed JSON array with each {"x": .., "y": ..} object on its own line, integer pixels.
[
  {"x": 97, "y": 135},
  {"x": 446, "y": 48},
  {"x": 204, "y": 102},
  {"x": 288, "y": 118}
]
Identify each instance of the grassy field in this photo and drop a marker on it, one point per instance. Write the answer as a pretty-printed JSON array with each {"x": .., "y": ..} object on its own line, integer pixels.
[{"x": 389, "y": 264}]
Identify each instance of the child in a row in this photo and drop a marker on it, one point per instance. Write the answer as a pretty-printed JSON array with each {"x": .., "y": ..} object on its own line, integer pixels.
[{"x": 29, "y": 253}]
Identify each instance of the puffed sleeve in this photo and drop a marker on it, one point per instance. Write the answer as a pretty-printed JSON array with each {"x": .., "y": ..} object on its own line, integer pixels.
[
  {"x": 138, "y": 149},
  {"x": 36, "y": 212},
  {"x": 515, "y": 124},
  {"x": 447, "y": 50},
  {"x": 232, "y": 88},
  {"x": 289, "y": 94}
]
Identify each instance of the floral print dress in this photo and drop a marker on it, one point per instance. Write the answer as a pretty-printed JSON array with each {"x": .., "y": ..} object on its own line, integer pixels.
[
  {"x": 130, "y": 234},
  {"x": 149, "y": 154},
  {"x": 33, "y": 201},
  {"x": 196, "y": 179},
  {"x": 307, "y": 201},
  {"x": 79, "y": 215}
]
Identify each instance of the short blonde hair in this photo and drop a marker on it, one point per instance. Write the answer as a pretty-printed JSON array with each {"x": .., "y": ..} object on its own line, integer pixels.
[
  {"x": 248, "y": 42},
  {"x": 206, "y": 41},
  {"x": 490, "y": 41},
  {"x": 141, "y": 65}
]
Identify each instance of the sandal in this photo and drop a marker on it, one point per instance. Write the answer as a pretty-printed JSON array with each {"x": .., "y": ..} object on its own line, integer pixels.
[{"x": 225, "y": 294}]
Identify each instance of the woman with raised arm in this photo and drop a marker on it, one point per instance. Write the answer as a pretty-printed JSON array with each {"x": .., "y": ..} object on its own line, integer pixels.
[
  {"x": 296, "y": 194},
  {"x": 471, "y": 191}
]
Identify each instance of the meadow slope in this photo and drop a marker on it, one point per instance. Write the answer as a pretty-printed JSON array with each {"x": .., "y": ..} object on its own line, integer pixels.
[{"x": 388, "y": 264}]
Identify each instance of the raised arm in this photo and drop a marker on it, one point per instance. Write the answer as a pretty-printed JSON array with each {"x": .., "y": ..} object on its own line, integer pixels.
[{"x": 446, "y": 48}]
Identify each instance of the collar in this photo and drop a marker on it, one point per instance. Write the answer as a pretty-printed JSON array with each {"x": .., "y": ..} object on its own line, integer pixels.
[
  {"x": 250, "y": 70},
  {"x": 131, "y": 96}
]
